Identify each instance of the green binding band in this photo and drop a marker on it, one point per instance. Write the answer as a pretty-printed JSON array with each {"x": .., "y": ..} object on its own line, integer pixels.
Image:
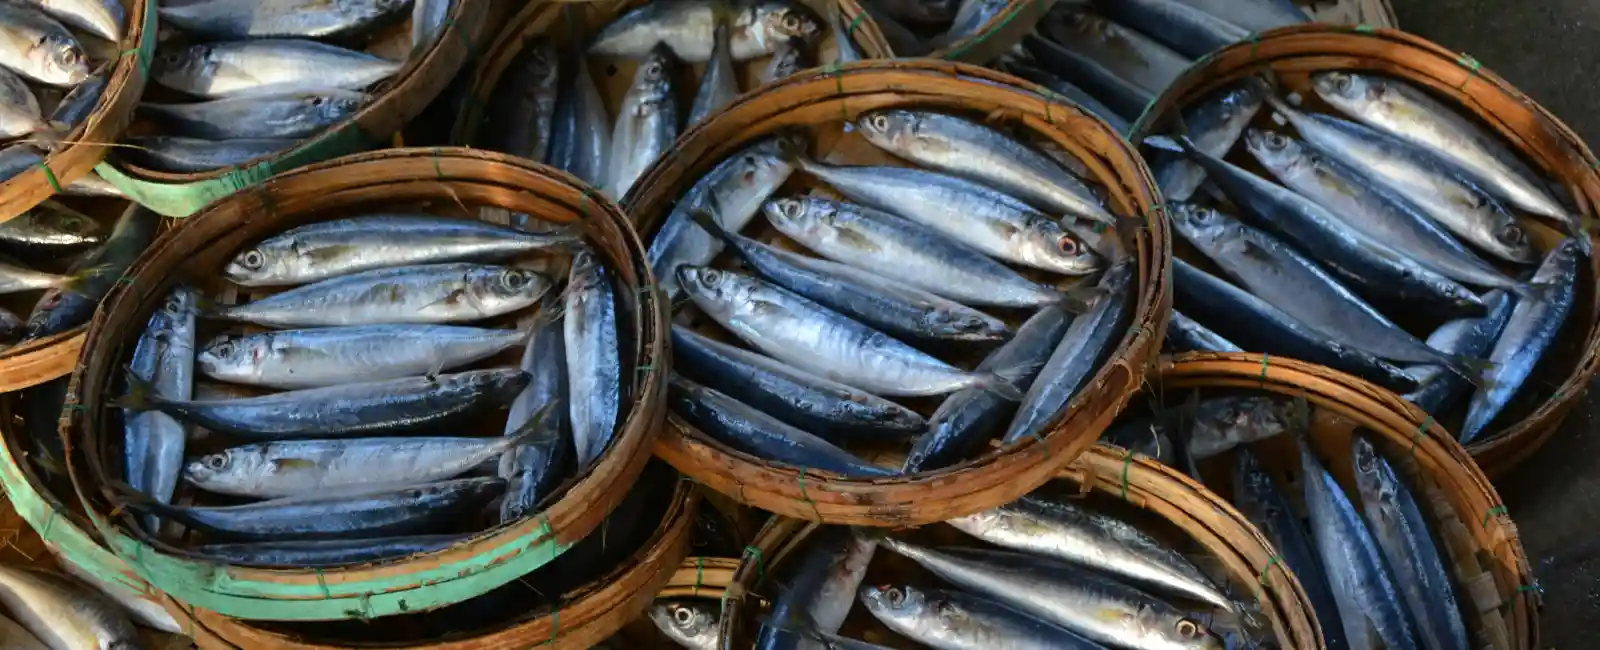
[
  {"x": 983, "y": 35},
  {"x": 1127, "y": 460},
  {"x": 699, "y": 573},
  {"x": 1497, "y": 510},
  {"x": 143, "y": 59},
  {"x": 555, "y": 627},
  {"x": 1271, "y": 562},
  {"x": 761, "y": 563},
  {"x": 50, "y": 176},
  {"x": 1264, "y": 358},
  {"x": 806, "y": 497},
  {"x": 850, "y": 30},
  {"x": 1364, "y": 29},
  {"x": 1255, "y": 43},
  {"x": 1421, "y": 431},
  {"x": 1471, "y": 64}
]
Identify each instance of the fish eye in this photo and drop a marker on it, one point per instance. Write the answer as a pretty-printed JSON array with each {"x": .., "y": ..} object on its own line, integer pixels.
[
  {"x": 712, "y": 276},
  {"x": 252, "y": 259},
  {"x": 1277, "y": 141},
  {"x": 791, "y": 22},
  {"x": 1188, "y": 629},
  {"x": 1342, "y": 82},
  {"x": 895, "y": 596},
  {"x": 1364, "y": 462},
  {"x": 1512, "y": 234},
  {"x": 653, "y": 69},
  {"x": 217, "y": 461},
  {"x": 1068, "y": 244},
  {"x": 223, "y": 349},
  {"x": 513, "y": 280},
  {"x": 879, "y": 122},
  {"x": 683, "y": 616}
]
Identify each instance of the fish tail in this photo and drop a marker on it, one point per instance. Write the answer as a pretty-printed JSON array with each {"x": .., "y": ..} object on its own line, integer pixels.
[
  {"x": 127, "y": 496},
  {"x": 999, "y": 385},
  {"x": 141, "y": 394},
  {"x": 80, "y": 282},
  {"x": 723, "y": 16},
  {"x": 1079, "y": 299},
  {"x": 709, "y": 218},
  {"x": 1476, "y": 371}
]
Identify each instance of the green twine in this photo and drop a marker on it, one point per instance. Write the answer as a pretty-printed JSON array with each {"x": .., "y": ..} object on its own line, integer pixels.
[
  {"x": 1471, "y": 64},
  {"x": 1271, "y": 562},
  {"x": 1255, "y": 43},
  {"x": 1422, "y": 430},
  {"x": 1497, "y": 510},
  {"x": 50, "y": 177},
  {"x": 838, "y": 81},
  {"x": 1127, "y": 461},
  {"x": 850, "y": 30},
  {"x": 437, "y": 170},
  {"x": 555, "y": 627},
  {"x": 806, "y": 497},
  {"x": 322, "y": 581},
  {"x": 983, "y": 35},
  {"x": 699, "y": 573},
  {"x": 1365, "y": 29},
  {"x": 143, "y": 57},
  {"x": 761, "y": 563},
  {"x": 1264, "y": 358}
]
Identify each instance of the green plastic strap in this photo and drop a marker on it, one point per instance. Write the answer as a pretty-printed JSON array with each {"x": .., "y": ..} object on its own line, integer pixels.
[
  {"x": 1497, "y": 510},
  {"x": 1264, "y": 358},
  {"x": 1365, "y": 29},
  {"x": 50, "y": 177},
  {"x": 1421, "y": 431},
  {"x": 850, "y": 30},
  {"x": 1471, "y": 64},
  {"x": 1099, "y": 227},
  {"x": 1271, "y": 562},
  {"x": 761, "y": 562},
  {"x": 807, "y": 497},
  {"x": 983, "y": 34},
  {"x": 555, "y": 627},
  {"x": 1127, "y": 461},
  {"x": 1255, "y": 43},
  {"x": 699, "y": 573},
  {"x": 143, "y": 56},
  {"x": 322, "y": 581}
]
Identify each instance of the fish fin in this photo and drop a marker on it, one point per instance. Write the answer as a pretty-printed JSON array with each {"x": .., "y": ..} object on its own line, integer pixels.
[
  {"x": 1254, "y": 250},
  {"x": 709, "y": 218},
  {"x": 723, "y": 16},
  {"x": 127, "y": 496},
  {"x": 999, "y": 385},
  {"x": 207, "y": 307},
  {"x": 533, "y": 429},
  {"x": 1015, "y": 373},
  {"x": 1079, "y": 299},
  {"x": 292, "y": 463},
  {"x": 1473, "y": 370},
  {"x": 869, "y": 534},
  {"x": 78, "y": 282},
  {"x": 795, "y": 154},
  {"x": 796, "y": 621},
  {"x": 141, "y": 394}
]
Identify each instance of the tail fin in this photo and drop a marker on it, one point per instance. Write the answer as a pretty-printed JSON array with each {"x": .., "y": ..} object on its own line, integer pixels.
[
  {"x": 999, "y": 385},
  {"x": 791, "y": 151},
  {"x": 127, "y": 496},
  {"x": 80, "y": 281},
  {"x": 532, "y": 429},
  {"x": 141, "y": 394},
  {"x": 1079, "y": 299},
  {"x": 1473, "y": 370}
]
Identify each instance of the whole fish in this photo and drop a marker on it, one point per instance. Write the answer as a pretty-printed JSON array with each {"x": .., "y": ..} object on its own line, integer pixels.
[
  {"x": 77, "y": 105},
  {"x": 328, "y": 249},
  {"x": 1123, "y": 96},
  {"x": 791, "y": 56},
  {"x": 732, "y": 191},
  {"x": 233, "y": 20},
  {"x": 719, "y": 83},
  {"x": 366, "y": 513},
  {"x": 1185, "y": 334},
  {"x": 173, "y": 379},
  {"x": 1269, "y": 510},
  {"x": 306, "y": 467},
  {"x": 1088, "y": 342},
  {"x": 1220, "y": 424},
  {"x": 63, "y": 613},
  {"x": 19, "y": 638},
  {"x": 594, "y": 364},
  {"x": 290, "y": 115},
  {"x": 183, "y": 155},
  {"x": 952, "y": 620},
  {"x": 137, "y": 426},
  {"x": 971, "y": 17},
  {"x": 1188, "y": 30},
  {"x": 428, "y": 18},
  {"x": 1408, "y": 547},
  {"x": 822, "y": 406},
  {"x": 423, "y": 293},
  {"x": 348, "y": 410},
  {"x": 1409, "y": 113},
  {"x": 1529, "y": 333},
  {"x": 976, "y": 152},
  {"x": 1469, "y": 337},
  {"x": 688, "y": 27},
  {"x": 647, "y": 121},
  {"x": 905, "y": 251},
  {"x": 326, "y": 552},
  {"x": 329, "y": 356},
  {"x": 1363, "y": 588},
  {"x": 267, "y": 67},
  {"x": 1126, "y": 53},
  {"x": 580, "y": 137},
  {"x": 691, "y": 623},
  {"x": 39, "y": 48},
  {"x": 1421, "y": 177},
  {"x": 1254, "y": 15},
  {"x": 1214, "y": 124},
  {"x": 15, "y": 278},
  {"x": 1106, "y": 544},
  {"x": 918, "y": 11},
  {"x": 821, "y": 588},
  {"x": 895, "y": 308},
  {"x": 1249, "y": 320},
  {"x": 967, "y": 419},
  {"x": 522, "y": 106},
  {"x": 19, "y": 108},
  {"x": 813, "y": 338},
  {"x": 533, "y": 468},
  {"x": 102, "y": 18},
  {"x": 1096, "y": 607},
  {"x": 61, "y": 310},
  {"x": 748, "y": 430},
  {"x": 1077, "y": 95}
]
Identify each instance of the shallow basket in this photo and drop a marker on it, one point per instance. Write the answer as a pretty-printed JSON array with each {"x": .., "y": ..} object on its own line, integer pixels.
[
  {"x": 449, "y": 178},
  {"x": 1293, "y": 52},
  {"x": 821, "y": 97}
]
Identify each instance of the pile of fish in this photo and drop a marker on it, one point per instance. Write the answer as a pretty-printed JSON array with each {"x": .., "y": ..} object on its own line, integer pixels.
[
  {"x": 344, "y": 405},
  {"x": 918, "y": 27},
  {"x": 1375, "y": 569},
  {"x": 44, "y": 610},
  {"x": 257, "y": 77},
  {"x": 58, "y": 264},
  {"x": 938, "y": 280},
  {"x": 1397, "y": 232}
]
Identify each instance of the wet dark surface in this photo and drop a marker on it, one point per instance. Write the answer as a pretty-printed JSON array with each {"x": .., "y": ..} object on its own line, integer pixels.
[{"x": 1551, "y": 50}]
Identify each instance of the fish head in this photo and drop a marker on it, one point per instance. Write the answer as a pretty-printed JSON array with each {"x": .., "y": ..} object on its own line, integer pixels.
[
  {"x": 266, "y": 262},
  {"x": 226, "y": 467},
  {"x": 1045, "y": 243},
  {"x": 190, "y": 63},
  {"x": 1345, "y": 90},
  {"x": 67, "y": 228},
  {"x": 495, "y": 287},
  {"x": 1197, "y": 223},
  {"x": 1374, "y": 476},
  {"x": 716, "y": 291},
  {"x": 1174, "y": 629},
  {"x": 789, "y": 214},
  {"x": 967, "y": 326},
  {"x": 890, "y": 129},
  {"x": 333, "y": 106},
  {"x": 231, "y": 356},
  {"x": 1510, "y": 234},
  {"x": 781, "y": 20},
  {"x": 653, "y": 79},
  {"x": 182, "y": 303},
  {"x": 1275, "y": 150},
  {"x": 60, "y": 59},
  {"x": 895, "y": 604},
  {"x": 684, "y": 620}
]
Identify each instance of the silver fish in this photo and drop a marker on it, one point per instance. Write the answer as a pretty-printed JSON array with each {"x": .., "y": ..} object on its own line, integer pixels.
[
  {"x": 102, "y": 18},
  {"x": 291, "y": 115},
  {"x": 791, "y": 56},
  {"x": 821, "y": 590},
  {"x": 1189, "y": 30},
  {"x": 63, "y": 613},
  {"x": 580, "y": 138},
  {"x": 328, "y": 249},
  {"x": 1214, "y": 124},
  {"x": 182, "y": 155},
  {"x": 719, "y": 84},
  {"x": 951, "y": 620},
  {"x": 1471, "y": 337},
  {"x": 1221, "y": 423},
  {"x": 971, "y": 16},
  {"x": 1408, "y": 113},
  {"x": 77, "y": 105},
  {"x": 15, "y": 278},
  {"x": 173, "y": 380},
  {"x": 754, "y": 432},
  {"x": 428, "y": 18},
  {"x": 1126, "y": 53},
  {"x": 532, "y": 469},
  {"x": 522, "y": 108},
  {"x": 39, "y": 48},
  {"x": 1269, "y": 509},
  {"x": 329, "y": 356},
  {"x": 594, "y": 364},
  {"x": 232, "y": 20},
  {"x": 1254, "y": 15},
  {"x": 19, "y": 109},
  {"x": 687, "y": 26},
  {"x": 267, "y": 67},
  {"x": 424, "y": 293},
  {"x": 138, "y": 426},
  {"x": 1185, "y": 334},
  {"x": 325, "y": 552},
  {"x": 647, "y": 121},
  {"x": 692, "y": 624},
  {"x": 810, "y": 337},
  {"x": 970, "y": 150}
]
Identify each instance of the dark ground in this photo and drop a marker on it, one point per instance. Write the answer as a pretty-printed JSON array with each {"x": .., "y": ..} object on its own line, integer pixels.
[{"x": 1551, "y": 50}]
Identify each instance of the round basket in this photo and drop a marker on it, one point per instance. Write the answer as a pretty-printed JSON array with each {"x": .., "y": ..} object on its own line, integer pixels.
[
  {"x": 820, "y": 97},
  {"x": 1292, "y": 53},
  {"x": 448, "y": 179},
  {"x": 1108, "y": 473},
  {"x": 395, "y": 102}
]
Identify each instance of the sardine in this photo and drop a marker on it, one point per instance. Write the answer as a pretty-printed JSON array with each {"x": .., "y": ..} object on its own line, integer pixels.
[
  {"x": 423, "y": 293},
  {"x": 102, "y": 18},
  {"x": 329, "y": 356},
  {"x": 19, "y": 108},
  {"x": 292, "y": 115},
  {"x": 647, "y": 121},
  {"x": 688, "y": 26},
  {"x": 1269, "y": 509},
  {"x": 1468, "y": 337},
  {"x": 15, "y": 278},
  {"x": 522, "y": 107},
  {"x": 428, "y": 19},
  {"x": 1077, "y": 95},
  {"x": 79, "y": 104},
  {"x": 1188, "y": 30},
  {"x": 821, "y": 590},
  {"x": 183, "y": 155},
  {"x": 234, "y": 20},
  {"x": 719, "y": 83},
  {"x": 594, "y": 364},
  {"x": 580, "y": 137},
  {"x": 137, "y": 426},
  {"x": 63, "y": 613},
  {"x": 326, "y": 552},
  {"x": 750, "y": 431},
  {"x": 1185, "y": 334},
  {"x": 1254, "y": 15},
  {"x": 691, "y": 623},
  {"x": 39, "y": 48},
  {"x": 1121, "y": 95},
  {"x": 59, "y": 310},
  {"x": 971, "y": 17},
  {"x": 789, "y": 57},
  {"x": 532, "y": 469},
  {"x": 1126, "y": 53},
  {"x": 173, "y": 380},
  {"x": 1220, "y": 424},
  {"x": 952, "y": 620},
  {"x": 845, "y": 50},
  {"x": 43, "y": 228},
  {"x": 1214, "y": 124},
  {"x": 267, "y": 67}
]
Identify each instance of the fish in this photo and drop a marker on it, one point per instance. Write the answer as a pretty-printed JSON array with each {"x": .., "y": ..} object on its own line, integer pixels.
[
  {"x": 829, "y": 409},
  {"x": 688, "y": 27},
  {"x": 173, "y": 379},
  {"x": 789, "y": 57},
  {"x": 1124, "y": 52},
  {"x": 137, "y": 426},
  {"x": 733, "y": 191},
  {"x": 1421, "y": 177},
  {"x": 329, "y": 356},
  {"x": 1269, "y": 510},
  {"x": 1410, "y": 114},
  {"x": 594, "y": 364},
  {"x": 183, "y": 155},
  {"x": 19, "y": 638},
  {"x": 234, "y": 20},
  {"x": 421, "y": 293},
  {"x": 428, "y": 19},
  {"x": 647, "y": 121},
  {"x": 719, "y": 83},
  {"x": 1529, "y": 333},
  {"x": 968, "y": 418},
  {"x": 690, "y": 622},
  {"x": 19, "y": 108},
  {"x": 63, "y": 613},
  {"x": 328, "y": 249},
  {"x": 906, "y": 251},
  {"x": 918, "y": 11},
  {"x": 326, "y": 552},
  {"x": 821, "y": 587},
  {"x": 952, "y": 620},
  {"x": 1066, "y": 89},
  {"x": 1190, "y": 31},
  {"x": 15, "y": 278},
  {"x": 35, "y": 46},
  {"x": 751, "y": 431},
  {"x": 290, "y": 468},
  {"x": 1214, "y": 123},
  {"x": 1254, "y": 323},
  {"x": 1220, "y": 424},
  {"x": 1121, "y": 95},
  {"x": 522, "y": 106},
  {"x": 1146, "y": 433},
  {"x": 1089, "y": 341},
  {"x": 816, "y": 339},
  {"x": 580, "y": 137},
  {"x": 267, "y": 67},
  {"x": 1186, "y": 334},
  {"x": 1470, "y": 337},
  {"x": 895, "y": 308},
  {"x": 901, "y": 40},
  {"x": 972, "y": 16},
  {"x": 11, "y": 327},
  {"x": 290, "y": 115},
  {"x": 1402, "y": 532},
  {"x": 381, "y": 512},
  {"x": 533, "y": 468},
  {"x": 979, "y": 153},
  {"x": 1254, "y": 15},
  {"x": 102, "y": 18},
  {"x": 346, "y": 410},
  {"x": 1061, "y": 530},
  {"x": 60, "y": 310},
  {"x": 1096, "y": 607},
  {"x": 77, "y": 105}
]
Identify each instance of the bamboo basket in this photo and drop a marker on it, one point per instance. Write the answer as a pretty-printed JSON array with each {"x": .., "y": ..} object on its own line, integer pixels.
[
  {"x": 1499, "y": 594},
  {"x": 395, "y": 102},
  {"x": 819, "y": 98},
  {"x": 1103, "y": 472},
  {"x": 449, "y": 180},
  {"x": 1292, "y": 53}
]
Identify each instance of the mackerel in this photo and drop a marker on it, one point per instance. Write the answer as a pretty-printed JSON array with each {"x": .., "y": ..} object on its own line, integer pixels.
[
  {"x": 691, "y": 623},
  {"x": 1083, "y": 99},
  {"x": 290, "y": 115},
  {"x": 19, "y": 108},
  {"x": 1126, "y": 98},
  {"x": 232, "y": 20},
  {"x": 719, "y": 83},
  {"x": 822, "y": 586},
  {"x": 1188, "y": 30},
  {"x": 326, "y": 552},
  {"x": 1220, "y": 424},
  {"x": 268, "y": 66},
  {"x": 173, "y": 380},
  {"x": 593, "y": 356},
  {"x": 522, "y": 106},
  {"x": 100, "y": 270},
  {"x": 1470, "y": 337},
  {"x": 39, "y": 48},
  {"x": 688, "y": 27},
  {"x": 647, "y": 121},
  {"x": 1185, "y": 334},
  {"x": 47, "y": 229},
  {"x": 1255, "y": 15},
  {"x": 138, "y": 426},
  {"x": 1270, "y": 511},
  {"x": 1214, "y": 124},
  {"x": 80, "y": 103},
  {"x": 183, "y": 155},
  {"x": 424, "y": 293},
  {"x": 952, "y": 620},
  {"x": 1121, "y": 51},
  {"x": 750, "y": 431},
  {"x": 329, "y": 356},
  {"x": 580, "y": 137},
  {"x": 63, "y": 613},
  {"x": 533, "y": 468},
  {"x": 102, "y": 18}
]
